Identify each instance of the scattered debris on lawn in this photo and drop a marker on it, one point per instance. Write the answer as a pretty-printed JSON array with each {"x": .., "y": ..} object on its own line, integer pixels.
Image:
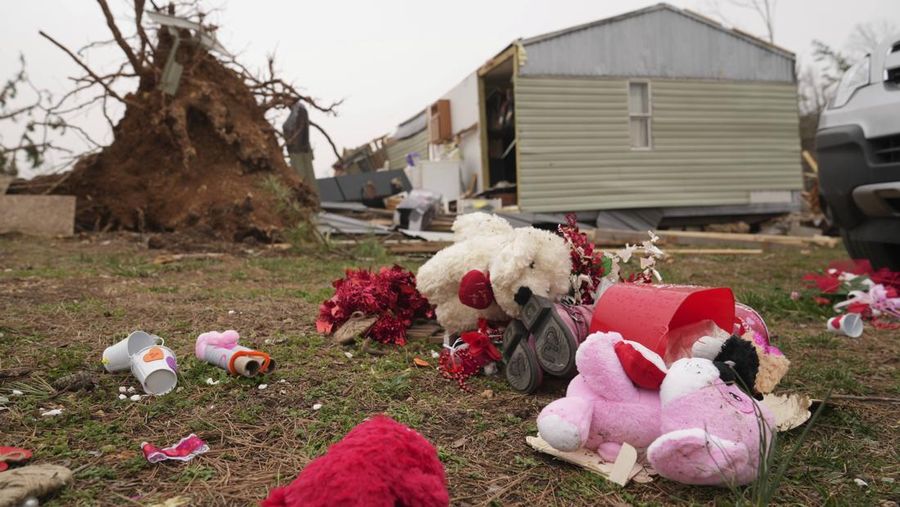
[
  {"x": 177, "y": 501},
  {"x": 13, "y": 456},
  {"x": 186, "y": 449},
  {"x": 591, "y": 462},
  {"x": 850, "y": 325},
  {"x": 667, "y": 237},
  {"x": 156, "y": 369},
  {"x": 859, "y": 292},
  {"x": 168, "y": 259},
  {"x": 790, "y": 410},
  {"x": 222, "y": 350},
  {"x": 118, "y": 357}
]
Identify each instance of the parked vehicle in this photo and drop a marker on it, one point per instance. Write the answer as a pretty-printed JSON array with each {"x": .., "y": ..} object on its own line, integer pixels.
[{"x": 858, "y": 146}]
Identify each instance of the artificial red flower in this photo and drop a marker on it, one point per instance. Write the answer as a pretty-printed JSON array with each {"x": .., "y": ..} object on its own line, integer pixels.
[
  {"x": 826, "y": 283},
  {"x": 587, "y": 261},
  {"x": 464, "y": 360},
  {"x": 390, "y": 294},
  {"x": 480, "y": 345}
]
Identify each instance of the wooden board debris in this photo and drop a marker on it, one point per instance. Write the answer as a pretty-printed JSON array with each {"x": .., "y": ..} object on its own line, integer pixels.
[
  {"x": 430, "y": 332},
  {"x": 592, "y": 462},
  {"x": 38, "y": 215},
  {"x": 714, "y": 251},
  {"x": 424, "y": 247},
  {"x": 168, "y": 259},
  {"x": 614, "y": 236}
]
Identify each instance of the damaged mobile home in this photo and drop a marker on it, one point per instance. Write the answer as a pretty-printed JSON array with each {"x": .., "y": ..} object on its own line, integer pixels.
[{"x": 654, "y": 117}]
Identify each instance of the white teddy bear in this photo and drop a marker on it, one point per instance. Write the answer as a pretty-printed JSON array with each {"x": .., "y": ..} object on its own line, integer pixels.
[{"x": 498, "y": 260}]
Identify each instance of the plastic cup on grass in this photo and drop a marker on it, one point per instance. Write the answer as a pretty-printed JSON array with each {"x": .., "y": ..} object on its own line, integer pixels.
[{"x": 118, "y": 357}]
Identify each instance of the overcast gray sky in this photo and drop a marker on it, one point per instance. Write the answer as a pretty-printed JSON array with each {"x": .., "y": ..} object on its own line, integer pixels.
[{"x": 387, "y": 59}]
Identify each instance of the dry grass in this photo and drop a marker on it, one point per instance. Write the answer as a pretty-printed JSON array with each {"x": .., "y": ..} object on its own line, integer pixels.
[{"x": 62, "y": 302}]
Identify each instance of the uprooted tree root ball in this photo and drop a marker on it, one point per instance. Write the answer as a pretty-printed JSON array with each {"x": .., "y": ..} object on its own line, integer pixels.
[{"x": 205, "y": 160}]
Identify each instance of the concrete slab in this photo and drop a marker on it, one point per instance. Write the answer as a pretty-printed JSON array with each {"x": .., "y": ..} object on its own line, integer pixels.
[{"x": 38, "y": 215}]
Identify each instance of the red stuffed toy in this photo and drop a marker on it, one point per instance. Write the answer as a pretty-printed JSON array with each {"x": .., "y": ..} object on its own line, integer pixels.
[{"x": 379, "y": 463}]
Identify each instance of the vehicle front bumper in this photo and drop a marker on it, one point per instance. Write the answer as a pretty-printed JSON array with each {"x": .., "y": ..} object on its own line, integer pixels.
[{"x": 861, "y": 192}]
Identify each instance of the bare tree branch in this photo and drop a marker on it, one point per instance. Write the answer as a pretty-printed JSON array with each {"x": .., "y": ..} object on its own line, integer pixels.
[
  {"x": 117, "y": 35},
  {"x": 139, "y": 27},
  {"x": 17, "y": 112},
  {"x": 765, "y": 9},
  {"x": 866, "y": 37},
  {"x": 81, "y": 64},
  {"x": 327, "y": 138}
]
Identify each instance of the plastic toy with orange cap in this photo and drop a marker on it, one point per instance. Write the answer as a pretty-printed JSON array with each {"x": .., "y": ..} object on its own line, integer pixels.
[{"x": 222, "y": 350}]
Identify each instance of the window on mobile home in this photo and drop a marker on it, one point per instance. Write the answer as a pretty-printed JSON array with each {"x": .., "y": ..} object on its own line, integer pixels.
[{"x": 639, "y": 115}]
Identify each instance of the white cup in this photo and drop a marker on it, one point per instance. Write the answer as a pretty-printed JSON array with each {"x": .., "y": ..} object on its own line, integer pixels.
[
  {"x": 118, "y": 357},
  {"x": 156, "y": 369},
  {"x": 849, "y": 324}
]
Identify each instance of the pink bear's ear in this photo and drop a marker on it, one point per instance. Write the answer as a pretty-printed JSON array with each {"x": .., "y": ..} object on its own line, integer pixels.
[{"x": 643, "y": 366}]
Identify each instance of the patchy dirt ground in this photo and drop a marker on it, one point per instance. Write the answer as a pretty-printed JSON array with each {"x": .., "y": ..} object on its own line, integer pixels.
[{"x": 63, "y": 301}]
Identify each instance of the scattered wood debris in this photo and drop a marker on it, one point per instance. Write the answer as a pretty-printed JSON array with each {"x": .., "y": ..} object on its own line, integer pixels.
[
  {"x": 592, "y": 462},
  {"x": 614, "y": 236},
  {"x": 168, "y": 259}
]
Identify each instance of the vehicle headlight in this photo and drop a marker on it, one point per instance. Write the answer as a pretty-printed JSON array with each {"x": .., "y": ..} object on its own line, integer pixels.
[{"x": 855, "y": 78}]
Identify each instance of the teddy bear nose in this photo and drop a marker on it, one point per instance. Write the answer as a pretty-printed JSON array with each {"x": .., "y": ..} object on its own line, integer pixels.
[{"x": 522, "y": 295}]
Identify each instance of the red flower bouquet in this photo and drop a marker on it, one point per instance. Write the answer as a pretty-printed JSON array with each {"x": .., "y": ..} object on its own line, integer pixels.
[{"x": 390, "y": 295}]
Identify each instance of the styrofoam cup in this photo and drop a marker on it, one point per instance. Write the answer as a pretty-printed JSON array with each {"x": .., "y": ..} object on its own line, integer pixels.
[
  {"x": 156, "y": 369},
  {"x": 849, "y": 324},
  {"x": 118, "y": 357}
]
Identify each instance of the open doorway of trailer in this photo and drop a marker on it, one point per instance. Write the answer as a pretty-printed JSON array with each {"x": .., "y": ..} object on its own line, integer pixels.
[{"x": 496, "y": 82}]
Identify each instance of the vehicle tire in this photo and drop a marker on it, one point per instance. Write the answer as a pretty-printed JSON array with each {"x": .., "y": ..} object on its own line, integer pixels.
[{"x": 881, "y": 255}]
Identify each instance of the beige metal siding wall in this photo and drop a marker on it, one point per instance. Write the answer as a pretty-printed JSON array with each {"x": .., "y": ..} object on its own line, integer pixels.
[
  {"x": 397, "y": 152},
  {"x": 713, "y": 143}
]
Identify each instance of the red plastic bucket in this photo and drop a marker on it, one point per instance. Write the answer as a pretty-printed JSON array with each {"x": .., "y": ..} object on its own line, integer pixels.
[{"x": 646, "y": 313}]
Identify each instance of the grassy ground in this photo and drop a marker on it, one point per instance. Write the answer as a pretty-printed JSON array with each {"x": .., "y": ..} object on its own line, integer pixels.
[{"x": 63, "y": 302}]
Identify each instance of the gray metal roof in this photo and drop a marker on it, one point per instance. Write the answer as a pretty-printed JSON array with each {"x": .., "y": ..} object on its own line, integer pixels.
[
  {"x": 658, "y": 41},
  {"x": 412, "y": 126}
]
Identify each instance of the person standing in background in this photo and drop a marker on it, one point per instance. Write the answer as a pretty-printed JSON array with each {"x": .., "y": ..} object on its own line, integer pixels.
[{"x": 296, "y": 137}]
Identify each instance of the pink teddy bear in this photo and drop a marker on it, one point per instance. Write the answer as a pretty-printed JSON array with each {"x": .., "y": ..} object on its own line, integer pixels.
[
  {"x": 603, "y": 408},
  {"x": 711, "y": 430},
  {"x": 695, "y": 427}
]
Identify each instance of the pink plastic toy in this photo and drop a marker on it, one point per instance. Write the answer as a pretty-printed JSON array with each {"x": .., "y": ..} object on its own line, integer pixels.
[{"x": 222, "y": 350}]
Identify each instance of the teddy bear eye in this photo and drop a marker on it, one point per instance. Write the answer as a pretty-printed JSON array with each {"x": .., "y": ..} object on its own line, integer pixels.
[{"x": 531, "y": 266}]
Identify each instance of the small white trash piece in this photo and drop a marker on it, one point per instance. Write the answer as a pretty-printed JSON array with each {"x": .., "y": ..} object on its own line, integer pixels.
[
  {"x": 156, "y": 369},
  {"x": 849, "y": 324},
  {"x": 118, "y": 357}
]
